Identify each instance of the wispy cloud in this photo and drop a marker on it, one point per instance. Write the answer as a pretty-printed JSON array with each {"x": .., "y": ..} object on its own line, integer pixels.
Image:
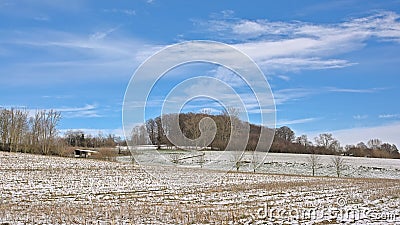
[
  {"x": 286, "y": 46},
  {"x": 57, "y": 96},
  {"x": 102, "y": 34},
  {"x": 296, "y": 121},
  {"x": 353, "y": 90},
  {"x": 389, "y": 116},
  {"x": 360, "y": 117},
  {"x": 284, "y": 77},
  {"x": 128, "y": 12},
  {"x": 291, "y": 94},
  {"x": 87, "y": 111},
  {"x": 228, "y": 77},
  {"x": 82, "y": 57}
]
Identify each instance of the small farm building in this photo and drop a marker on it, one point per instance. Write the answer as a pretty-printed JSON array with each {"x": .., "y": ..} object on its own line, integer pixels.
[{"x": 84, "y": 153}]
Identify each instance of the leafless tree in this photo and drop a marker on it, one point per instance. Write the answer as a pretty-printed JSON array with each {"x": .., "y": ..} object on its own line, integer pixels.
[
  {"x": 338, "y": 163},
  {"x": 285, "y": 133},
  {"x": 13, "y": 128},
  {"x": 313, "y": 160},
  {"x": 5, "y": 121},
  {"x": 51, "y": 119},
  {"x": 151, "y": 130},
  {"x": 328, "y": 142},
  {"x": 374, "y": 143},
  {"x": 139, "y": 135},
  {"x": 45, "y": 129},
  {"x": 255, "y": 162}
]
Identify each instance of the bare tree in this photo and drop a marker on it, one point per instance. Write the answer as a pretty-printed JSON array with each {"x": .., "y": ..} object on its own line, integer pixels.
[
  {"x": 13, "y": 128},
  {"x": 328, "y": 142},
  {"x": 303, "y": 141},
  {"x": 285, "y": 133},
  {"x": 254, "y": 161},
  {"x": 151, "y": 130},
  {"x": 338, "y": 163},
  {"x": 139, "y": 135},
  {"x": 313, "y": 160},
  {"x": 374, "y": 143},
  {"x": 5, "y": 118},
  {"x": 45, "y": 129},
  {"x": 18, "y": 129},
  {"x": 237, "y": 157}
]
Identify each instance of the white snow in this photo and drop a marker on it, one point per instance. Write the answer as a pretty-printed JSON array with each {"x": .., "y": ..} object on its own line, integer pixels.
[{"x": 52, "y": 190}]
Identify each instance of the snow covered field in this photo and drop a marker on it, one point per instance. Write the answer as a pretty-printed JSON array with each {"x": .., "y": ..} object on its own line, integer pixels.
[
  {"x": 285, "y": 163},
  {"x": 51, "y": 190},
  {"x": 353, "y": 166}
]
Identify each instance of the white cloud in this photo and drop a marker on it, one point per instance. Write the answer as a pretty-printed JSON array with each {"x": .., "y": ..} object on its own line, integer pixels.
[
  {"x": 297, "y": 121},
  {"x": 248, "y": 27},
  {"x": 298, "y": 45},
  {"x": 128, "y": 12},
  {"x": 228, "y": 77},
  {"x": 360, "y": 117},
  {"x": 387, "y": 133},
  {"x": 87, "y": 111},
  {"x": 76, "y": 109},
  {"x": 76, "y": 56},
  {"x": 389, "y": 116},
  {"x": 282, "y": 96},
  {"x": 102, "y": 34},
  {"x": 352, "y": 90},
  {"x": 291, "y": 94},
  {"x": 284, "y": 77}
]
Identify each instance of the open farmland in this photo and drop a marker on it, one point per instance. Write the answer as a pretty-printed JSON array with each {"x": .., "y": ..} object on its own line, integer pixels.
[
  {"x": 284, "y": 163},
  {"x": 51, "y": 190}
]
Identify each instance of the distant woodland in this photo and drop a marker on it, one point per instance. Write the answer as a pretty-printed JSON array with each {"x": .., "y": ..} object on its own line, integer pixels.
[
  {"x": 284, "y": 140},
  {"x": 38, "y": 134}
]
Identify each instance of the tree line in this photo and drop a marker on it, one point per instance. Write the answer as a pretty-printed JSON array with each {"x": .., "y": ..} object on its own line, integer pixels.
[
  {"x": 155, "y": 131},
  {"x": 37, "y": 133},
  {"x": 284, "y": 141},
  {"x": 21, "y": 131},
  {"x": 325, "y": 144}
]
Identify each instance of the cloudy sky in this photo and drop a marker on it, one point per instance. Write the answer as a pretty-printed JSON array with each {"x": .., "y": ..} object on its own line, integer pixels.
[{"x": 333, "y": 66}]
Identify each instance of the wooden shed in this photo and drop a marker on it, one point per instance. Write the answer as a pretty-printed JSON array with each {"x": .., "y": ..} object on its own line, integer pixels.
[{"x": 84, "y": 153}]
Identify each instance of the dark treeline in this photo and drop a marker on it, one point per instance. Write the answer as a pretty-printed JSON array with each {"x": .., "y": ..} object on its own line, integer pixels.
[
  {"x": 285, "y": 140},
  {"x": 189, "y": 125},
  {"x": 78, "y": 138},
  {"x": 38, "y": 134}
]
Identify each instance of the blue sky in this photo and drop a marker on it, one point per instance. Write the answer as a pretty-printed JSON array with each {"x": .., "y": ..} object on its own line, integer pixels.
[{"x": 333, "y": 66}]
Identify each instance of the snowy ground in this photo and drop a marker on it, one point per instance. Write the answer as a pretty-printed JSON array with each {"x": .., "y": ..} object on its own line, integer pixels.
[
  {"x": 50, "y": 190},
  {"x": 283, "y": 163}
]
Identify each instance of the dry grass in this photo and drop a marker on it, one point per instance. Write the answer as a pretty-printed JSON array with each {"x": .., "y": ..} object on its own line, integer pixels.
[{"x": 53, "y": 190}]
